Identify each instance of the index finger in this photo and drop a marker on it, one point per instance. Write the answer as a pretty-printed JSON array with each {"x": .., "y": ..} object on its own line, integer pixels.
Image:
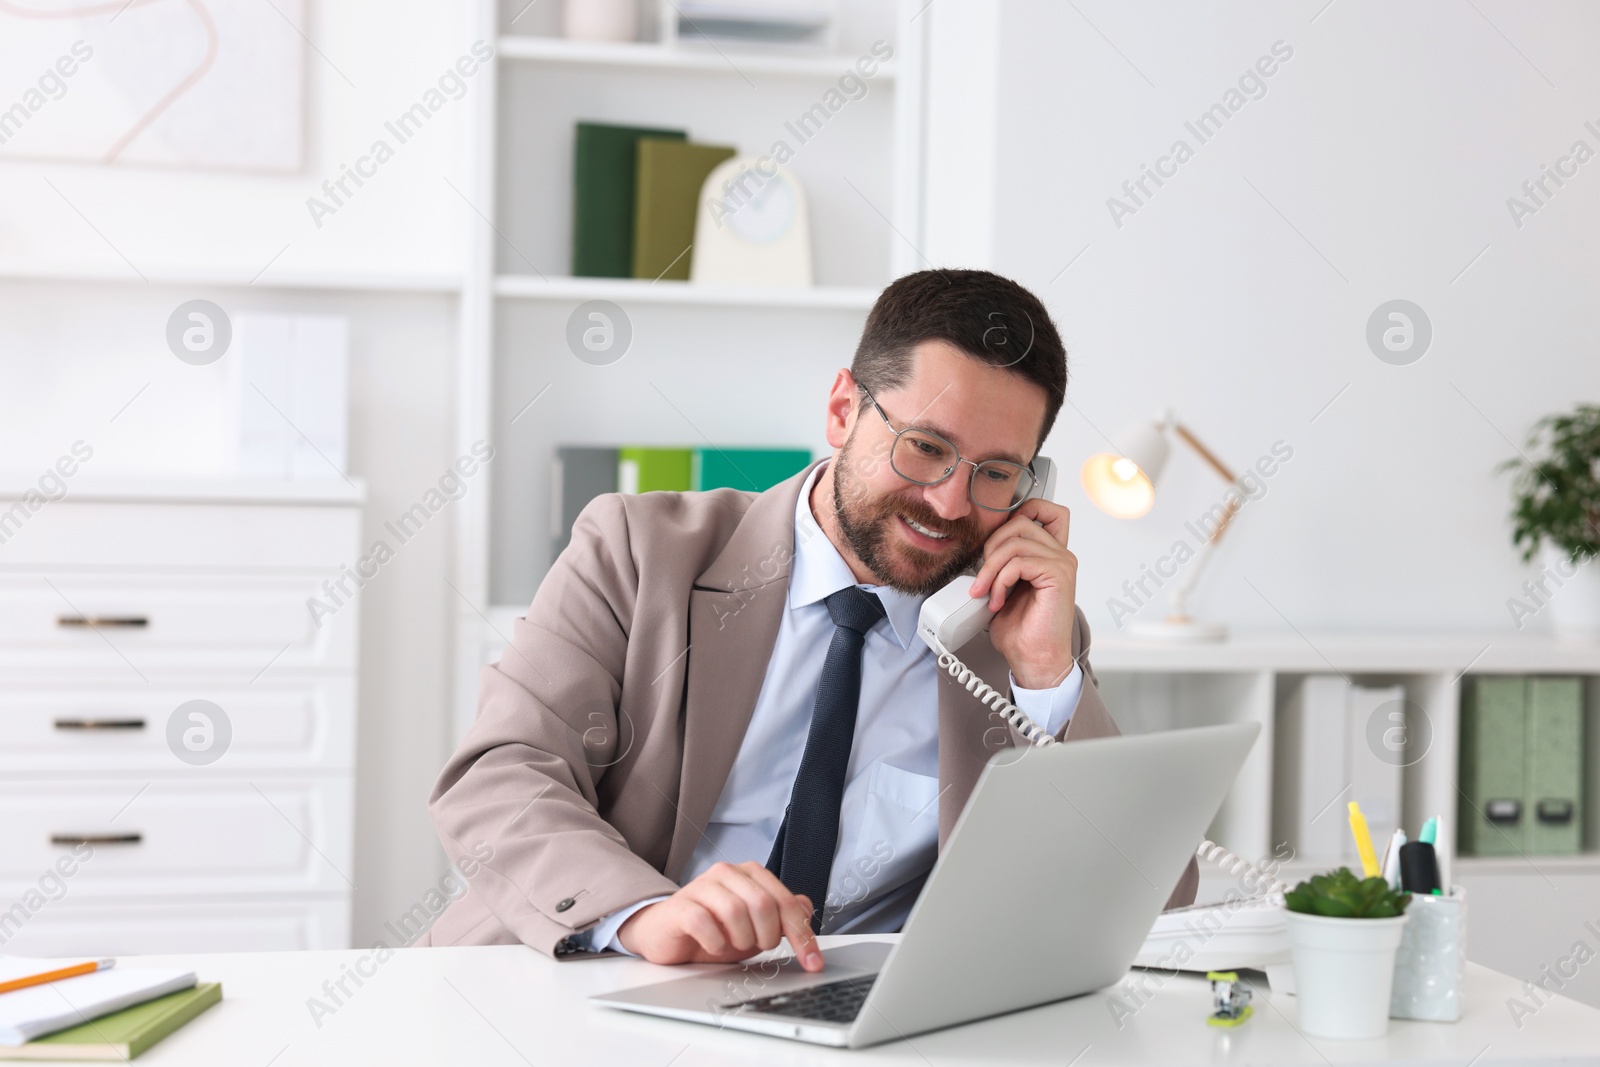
[
  {"x": 794, "y": 911},
  {"x": 1055, "y": 518}
]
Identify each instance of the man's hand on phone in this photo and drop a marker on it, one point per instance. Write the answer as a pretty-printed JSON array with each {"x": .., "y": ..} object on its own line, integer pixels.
[
  {"x": 1031, "y": 580},
  {"x": 729, "y": 913}
]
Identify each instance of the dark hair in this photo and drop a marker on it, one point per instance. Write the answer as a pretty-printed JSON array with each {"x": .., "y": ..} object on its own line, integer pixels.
[{"x": 989, "y": 318}]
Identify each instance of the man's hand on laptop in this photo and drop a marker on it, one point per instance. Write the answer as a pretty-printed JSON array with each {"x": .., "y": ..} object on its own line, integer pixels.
[{"x": 729, "y": 913}]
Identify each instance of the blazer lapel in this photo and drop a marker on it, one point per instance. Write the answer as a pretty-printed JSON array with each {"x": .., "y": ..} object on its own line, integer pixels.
[{"x": 735, "y": 608}]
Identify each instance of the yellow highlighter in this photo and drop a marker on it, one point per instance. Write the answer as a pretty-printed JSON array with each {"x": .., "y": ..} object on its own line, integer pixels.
[{"x": 1358, "y": 828}]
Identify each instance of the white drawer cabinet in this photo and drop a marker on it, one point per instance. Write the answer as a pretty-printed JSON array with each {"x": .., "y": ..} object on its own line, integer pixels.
[
  {"x": 120, "y": 604},
  {"x": 168, "y": 837},
  {"x": 164, "y": 622},
  {"x": 74, "y": 928},
  {"x": 304, "y": 726}
]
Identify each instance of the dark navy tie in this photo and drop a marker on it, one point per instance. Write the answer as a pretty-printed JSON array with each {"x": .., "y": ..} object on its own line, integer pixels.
[{"x": 802, "y": 856}]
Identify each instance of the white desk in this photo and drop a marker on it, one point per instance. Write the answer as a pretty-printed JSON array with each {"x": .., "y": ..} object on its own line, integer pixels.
[{"x": 510, "y": 1005}]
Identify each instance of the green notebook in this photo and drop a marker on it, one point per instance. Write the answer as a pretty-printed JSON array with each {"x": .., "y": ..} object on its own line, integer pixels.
[
  {"x": 642, "y": 470},
  {"x": 605, "y": 160},
  {"x": 753, "y": 469},
  {"x": 124, "y": 1034},
  {"x": 666, "y": 200}
]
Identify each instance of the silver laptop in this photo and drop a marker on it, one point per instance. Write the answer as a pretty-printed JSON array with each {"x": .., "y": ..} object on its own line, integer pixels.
[{"x": 1046, "y": 889}]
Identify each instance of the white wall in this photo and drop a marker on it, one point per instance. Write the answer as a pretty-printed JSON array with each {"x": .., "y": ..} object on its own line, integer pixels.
[
  {"x": 1390, "y": 141},
  {"x": 1376, "y": 164},
  {"x": 72, "y": 352},
  {"x": 366, "y": 63}
]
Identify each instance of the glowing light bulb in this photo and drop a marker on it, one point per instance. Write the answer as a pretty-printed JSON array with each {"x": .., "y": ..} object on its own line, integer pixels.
[{"x": 1125, "y": 469}]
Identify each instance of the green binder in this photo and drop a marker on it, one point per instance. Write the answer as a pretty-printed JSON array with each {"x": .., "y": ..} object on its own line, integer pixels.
[
  {"x": 666, "y": 200},
  {"x": 642, "y": 470},
  {"x": 1492, "y": 820},
  {"x": 1553, "y": 801},
  {"x": 124, "y": 1034},
  {"x": 605, "y": 161},
  {"x": 753, "y": 469}
]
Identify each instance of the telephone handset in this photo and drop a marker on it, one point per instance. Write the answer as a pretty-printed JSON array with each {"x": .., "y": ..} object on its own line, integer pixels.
[{"x": 951, "y": 617}]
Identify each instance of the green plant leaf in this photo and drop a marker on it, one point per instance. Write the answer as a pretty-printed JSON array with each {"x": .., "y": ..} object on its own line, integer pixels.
[{"x": 1340, "y": 894}]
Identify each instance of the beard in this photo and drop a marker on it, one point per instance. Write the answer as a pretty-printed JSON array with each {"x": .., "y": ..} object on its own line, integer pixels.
[{"x": 865, "y": 521}]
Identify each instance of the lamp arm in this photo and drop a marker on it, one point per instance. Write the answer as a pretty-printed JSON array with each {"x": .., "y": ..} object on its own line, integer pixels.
[
  {"x": 1204, "y": 453},
  {"x": 1178, "y": 605}
]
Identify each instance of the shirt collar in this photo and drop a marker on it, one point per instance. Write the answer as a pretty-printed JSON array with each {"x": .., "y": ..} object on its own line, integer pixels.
[{"x": 819, "y": 570}]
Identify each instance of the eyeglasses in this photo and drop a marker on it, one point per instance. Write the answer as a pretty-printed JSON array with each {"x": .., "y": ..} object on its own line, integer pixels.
[{"x": 924, "y": 457}]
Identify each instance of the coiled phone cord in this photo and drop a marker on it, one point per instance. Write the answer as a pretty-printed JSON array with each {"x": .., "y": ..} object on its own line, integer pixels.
[
  {"x": 1035, "y": 734},
  {"x": 989, "y": 696}
]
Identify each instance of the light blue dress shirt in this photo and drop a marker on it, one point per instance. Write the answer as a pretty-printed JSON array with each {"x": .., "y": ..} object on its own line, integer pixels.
[{"x": 889, "y": 817}]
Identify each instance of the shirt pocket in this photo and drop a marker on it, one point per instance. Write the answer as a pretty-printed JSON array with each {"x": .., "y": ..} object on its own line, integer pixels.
[{"x": 898, "y": 838}]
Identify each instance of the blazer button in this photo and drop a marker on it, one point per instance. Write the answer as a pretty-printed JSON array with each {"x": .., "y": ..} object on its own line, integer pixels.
[{"x": 565, "y": 904}]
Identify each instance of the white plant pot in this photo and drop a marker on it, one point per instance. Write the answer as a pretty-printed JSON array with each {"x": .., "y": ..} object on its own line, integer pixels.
[
  {"x": 1344, "y": 973},
  {"x": 601, "y": 20},
  {"x": 1574, "y": 605}
]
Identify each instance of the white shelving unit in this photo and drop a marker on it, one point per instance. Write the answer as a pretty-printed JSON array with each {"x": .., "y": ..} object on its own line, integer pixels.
[{"x": 862, "y": 178}]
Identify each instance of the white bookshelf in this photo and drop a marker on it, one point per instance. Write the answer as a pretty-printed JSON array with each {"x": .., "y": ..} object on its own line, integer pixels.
[
  {"x": 541, "y": 49},
  {"x": 862, "y": 177}
]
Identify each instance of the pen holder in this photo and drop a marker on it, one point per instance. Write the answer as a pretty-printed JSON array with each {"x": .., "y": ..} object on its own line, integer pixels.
[{"x": 1431, "y": 962}]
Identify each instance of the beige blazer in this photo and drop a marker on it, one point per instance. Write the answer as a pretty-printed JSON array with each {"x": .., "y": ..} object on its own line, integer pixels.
[{"x": 607, "y": 729}]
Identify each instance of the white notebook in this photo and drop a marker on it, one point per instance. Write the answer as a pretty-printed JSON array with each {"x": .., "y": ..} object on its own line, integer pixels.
[{"x": 43, "y": 1009}]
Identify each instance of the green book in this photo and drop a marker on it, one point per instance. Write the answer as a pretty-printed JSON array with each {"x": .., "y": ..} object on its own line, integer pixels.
[
  {"x": 666, "y": 201},
  {"x": 1553, "y": 801},
  {"x": 643, "y": 470},
  {"x": 1491, "y": 819},
  {"x": 124, "y": 1034},
  {"x": 605, "y": 161},
  {"x": 753, "y": 469}
]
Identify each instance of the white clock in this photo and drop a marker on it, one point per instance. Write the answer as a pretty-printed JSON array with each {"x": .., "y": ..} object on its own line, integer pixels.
[{"x": 752, "y": 227}]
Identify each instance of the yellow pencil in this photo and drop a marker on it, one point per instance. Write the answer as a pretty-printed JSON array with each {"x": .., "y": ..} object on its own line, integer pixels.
[{"x": 1358, "y": 827}]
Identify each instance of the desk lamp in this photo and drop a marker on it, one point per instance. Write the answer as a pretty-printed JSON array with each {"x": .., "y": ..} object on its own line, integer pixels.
[{"x": 1124, "y": 487}]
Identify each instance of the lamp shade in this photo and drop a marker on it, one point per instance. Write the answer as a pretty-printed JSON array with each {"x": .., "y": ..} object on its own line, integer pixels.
[{"x": 1124, "y": 486}]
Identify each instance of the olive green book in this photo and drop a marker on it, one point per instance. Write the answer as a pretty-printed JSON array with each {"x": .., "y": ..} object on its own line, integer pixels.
[
  {"x": 667, "y": 199},
  {"x": 605, "y": 162},
  {"x": 124, "y": 1034}
]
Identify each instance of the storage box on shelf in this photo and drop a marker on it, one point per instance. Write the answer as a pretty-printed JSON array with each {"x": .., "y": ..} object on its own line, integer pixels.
[{"x": 119, "y": 603}]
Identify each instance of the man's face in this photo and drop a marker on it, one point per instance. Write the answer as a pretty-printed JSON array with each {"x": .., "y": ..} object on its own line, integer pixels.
[{"x": 986, "y": 412}]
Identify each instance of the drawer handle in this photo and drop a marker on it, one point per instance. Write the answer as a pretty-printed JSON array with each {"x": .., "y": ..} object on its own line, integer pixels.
[
  {"x": 99, "y": 724},
  {"x": 96, "y": 839},
  {"x": 125, "y": 621}
]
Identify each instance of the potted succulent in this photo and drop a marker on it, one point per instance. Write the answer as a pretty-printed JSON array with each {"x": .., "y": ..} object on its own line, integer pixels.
[
  {"x": 1344, "y": 931},
  {"x": 1556, "y": 510}
]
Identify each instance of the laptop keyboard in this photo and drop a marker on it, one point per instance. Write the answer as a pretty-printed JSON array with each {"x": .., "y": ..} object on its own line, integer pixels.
[{"x": 832, "y": 1002}]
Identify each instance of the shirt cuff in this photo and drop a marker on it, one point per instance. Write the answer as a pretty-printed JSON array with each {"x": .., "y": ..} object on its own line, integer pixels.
[
  {"x": 603, "y": 934},
  {"x": 1050, "y": 708}
]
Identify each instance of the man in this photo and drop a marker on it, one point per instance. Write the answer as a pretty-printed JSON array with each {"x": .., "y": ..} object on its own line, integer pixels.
[{"x": 716, "y": 726}]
